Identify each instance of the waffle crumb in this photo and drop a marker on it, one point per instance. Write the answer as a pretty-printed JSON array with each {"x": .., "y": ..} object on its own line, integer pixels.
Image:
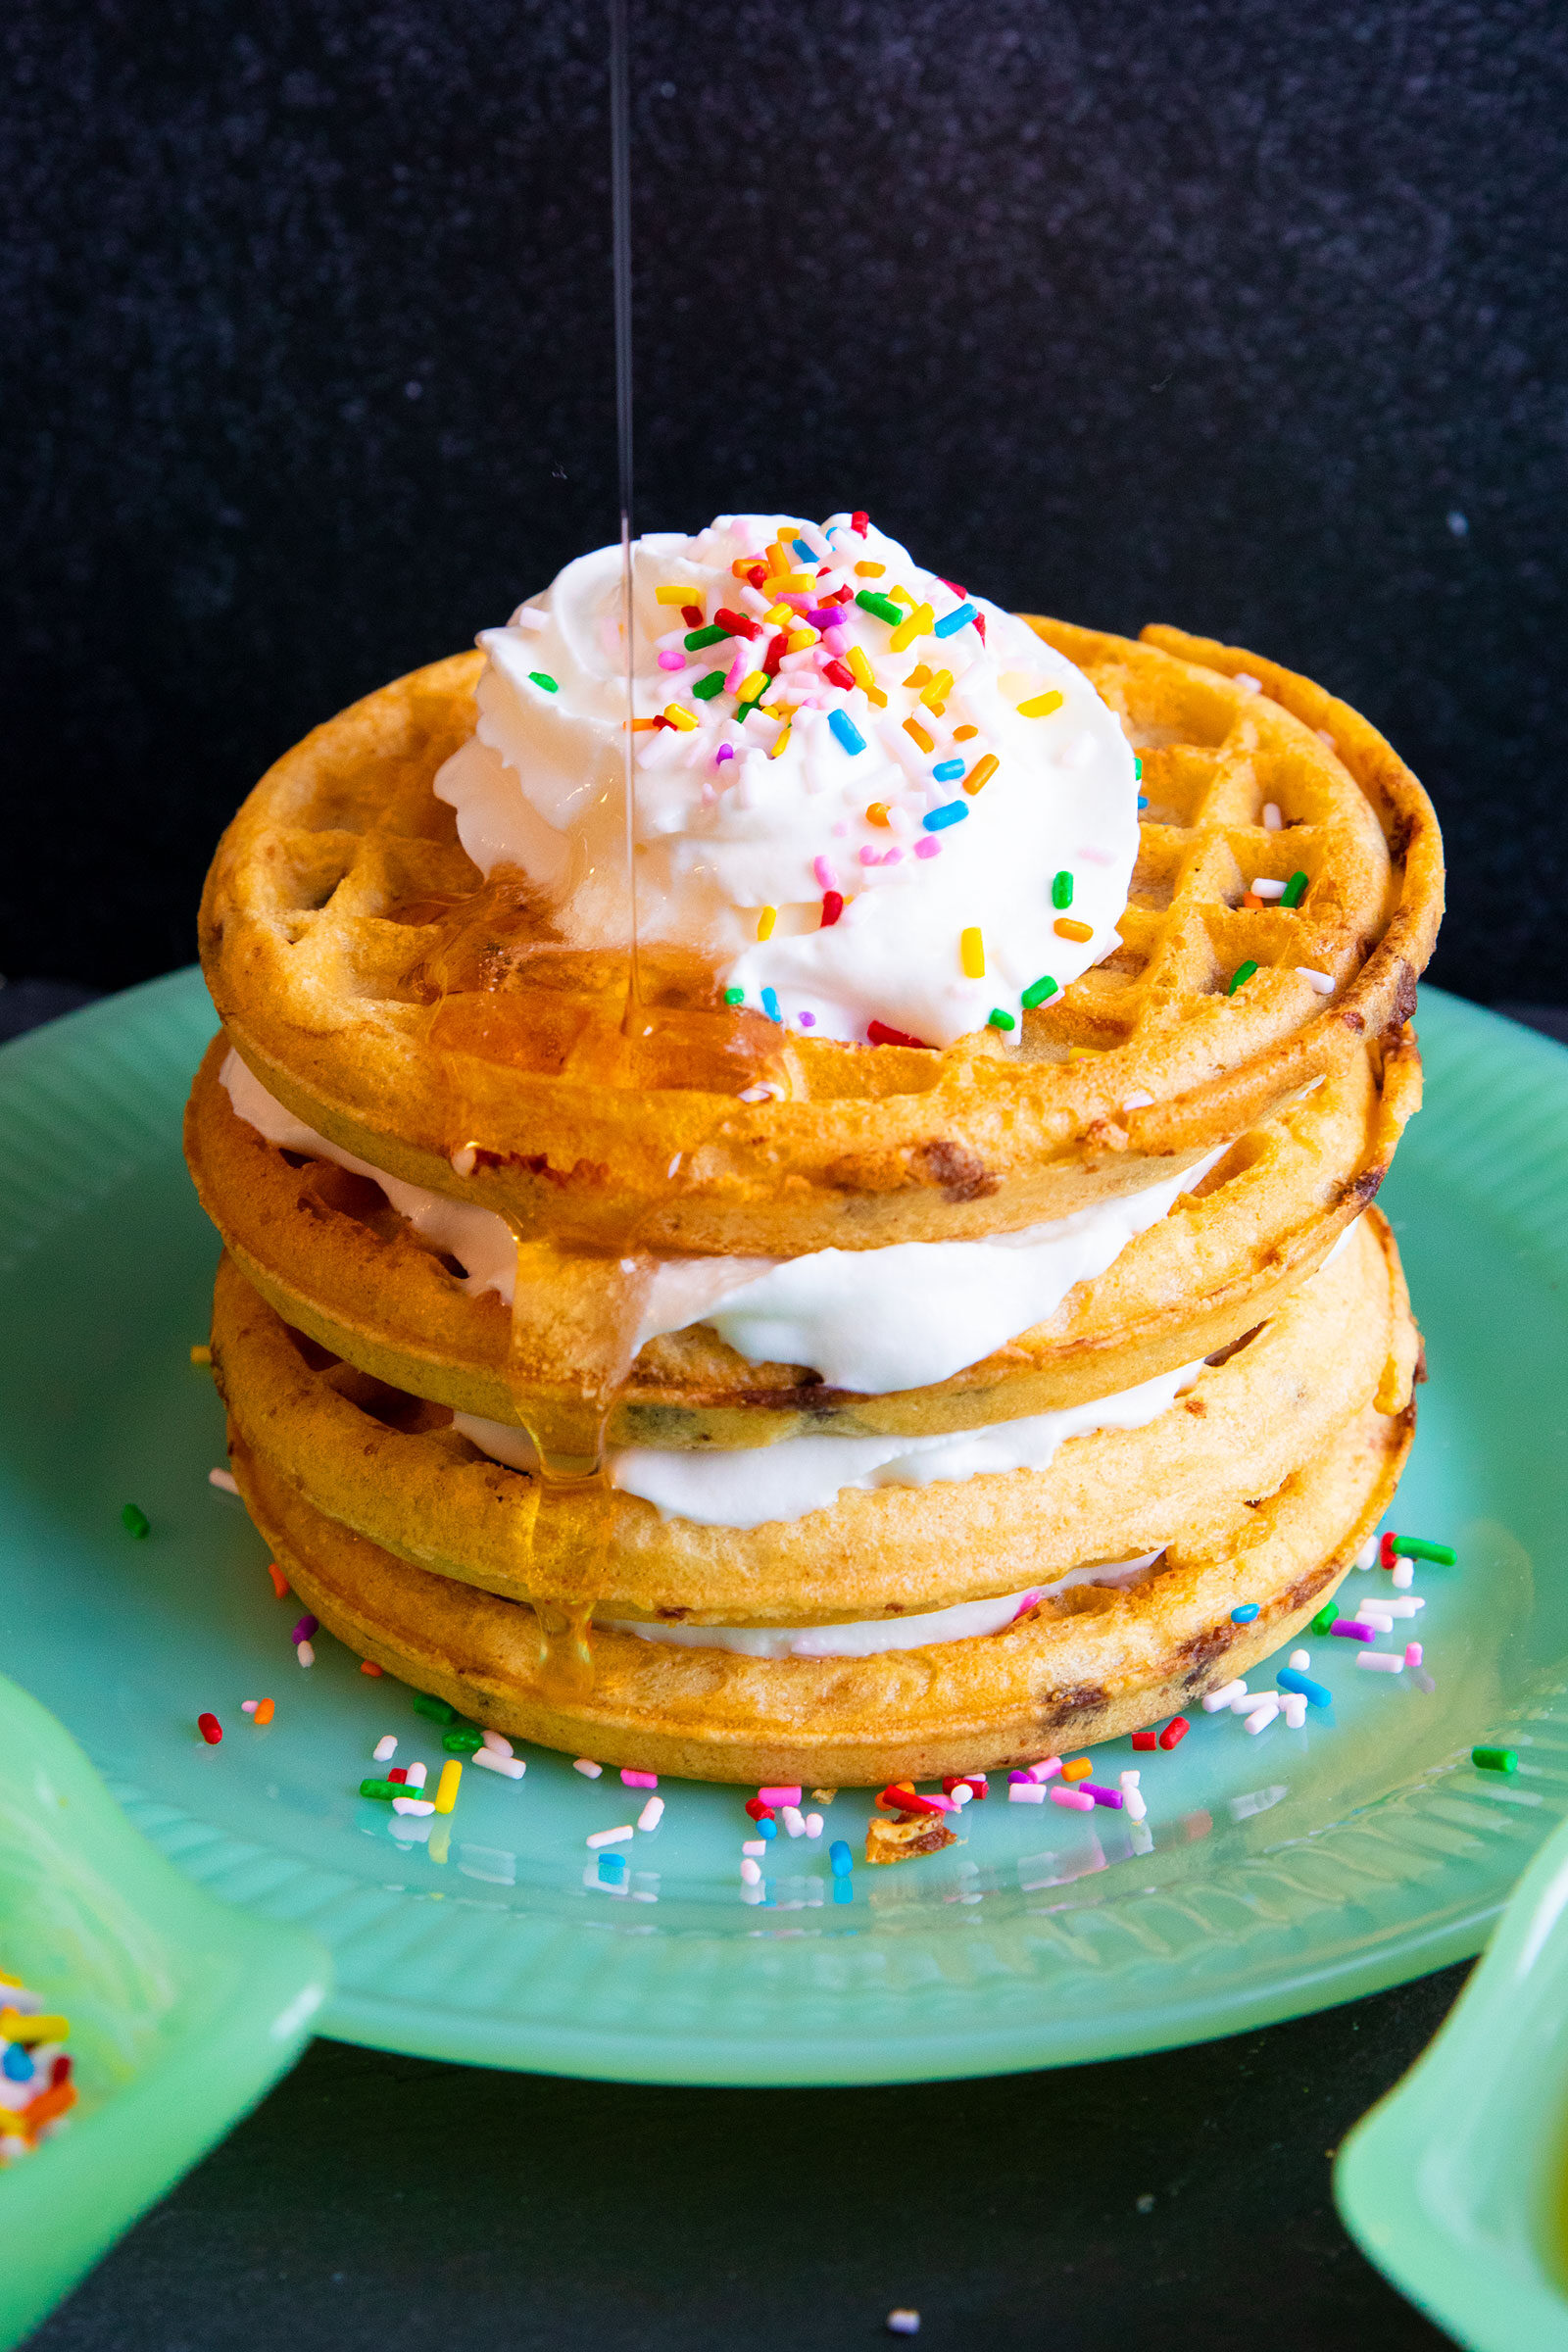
[{"x": 902, "y": 1840}]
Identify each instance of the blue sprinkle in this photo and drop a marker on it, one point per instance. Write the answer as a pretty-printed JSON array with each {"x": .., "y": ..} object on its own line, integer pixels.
[
  {"x": 612, "y": 1869},
  {"x": 953, "y": 621},
  {"x": 847, "y": 733},
  {"x": 770, "y": 1004},
  {"x": 950, "y": 814},
  {"x": 844, "y": 1891},
  {"x": 1141, "y": 802},
  {"x": 767, "y": 1829},
  {"x": 16, "y": 2065},
  {"x": 1316, "y": 1694},
  {"x": 840, "y": 1859},
  {"x": 810, "y": 552},
  {"x": 948, "y": 771},
  {"x": 1244, "y": 1614}
]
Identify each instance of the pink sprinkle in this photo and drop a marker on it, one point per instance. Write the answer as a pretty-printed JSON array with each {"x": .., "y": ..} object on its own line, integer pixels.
[
  {"x": 1412, "y": 1653},
  {"x": 808, "y": 1020},
  {"x": 639, "y": 1780},
  {"x": 836, "y": 640},
  {"x": 824, "y": 873},
  {"x": 671, "y": 659},
  {"x": 892, "y": 856},
  {"x": 868, "y": 855},
  {"x": 737, "y": 669},
  {"x": 725, "y": 751},
  {"x": 1026, "y": 1602},
  {"x": 929, "y": 847},
  {"x": 1073, "y": 1797},
  {"x": 1046, "y": 1769},
  {"x": 779, "y": 1796}
]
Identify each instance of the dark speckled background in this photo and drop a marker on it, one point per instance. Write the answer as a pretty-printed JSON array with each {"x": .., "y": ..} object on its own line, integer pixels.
[{"x": 1245, "y": 315}]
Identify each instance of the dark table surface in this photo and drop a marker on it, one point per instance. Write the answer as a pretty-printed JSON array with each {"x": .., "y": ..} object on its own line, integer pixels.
[{"x": 380, "y": 2204}]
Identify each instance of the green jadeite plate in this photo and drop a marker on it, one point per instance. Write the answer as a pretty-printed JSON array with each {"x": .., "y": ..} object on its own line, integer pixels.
[
  {"x": 182, "y": 2009},
  {"x": 1282, "y": 1871},
  {"x": 1456, "y": 2184}
]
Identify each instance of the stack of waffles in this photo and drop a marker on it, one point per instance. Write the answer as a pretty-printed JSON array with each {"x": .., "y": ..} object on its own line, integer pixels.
[{"x": 578, "y": 1349}]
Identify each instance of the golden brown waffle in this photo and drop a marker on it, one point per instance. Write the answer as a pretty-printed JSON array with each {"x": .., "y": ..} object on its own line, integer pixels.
[
  {"x": 1090, "y": 1667},
  {"x": 323, "y": 1248},
  {"x": 410, "y": 1016},
  {"x": 396, "y": 1471}
]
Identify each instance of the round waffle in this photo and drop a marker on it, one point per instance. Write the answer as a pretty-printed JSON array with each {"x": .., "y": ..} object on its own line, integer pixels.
[
  {"x": 414, "y": 1017},
  {"x": 397, "y": 1472},
  {"x": 323, "y": 1248},
  {"x": 1087, "y": 1667}
]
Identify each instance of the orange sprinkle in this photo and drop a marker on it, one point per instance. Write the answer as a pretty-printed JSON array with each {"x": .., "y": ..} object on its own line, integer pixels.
[
  {"x": 877, "y": 813},
  {"x": 643, "y": 726},
  {"x": 913, "y": 726},
  {"x": 982, "y": 773},
  {"x": 264, "y": 1711},
  {"x": 920, "y": 675},
  {"x": 279, "y": 1579},
  {"x": 871, "y": 571},
  {"x": 963, "y": 734},
  {"x": 1078, "y": 1770},
  {"x": 1065, "y": 927},
  {"x": 369, "y": 1666}
]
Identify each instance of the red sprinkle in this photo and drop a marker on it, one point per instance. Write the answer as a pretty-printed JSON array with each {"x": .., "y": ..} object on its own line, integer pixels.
[
  {"x": 838, "y": 596},
  {"x": 858, "y": 520},
  {"x": 279, "y": 1579},
  {"x": 881, "y": 1035},
  {"x": 1146, "y": 1739},
  {"x": 399, "y": 1771},
  {"x": 839, "y": 674},
  {"x": 738, "y": 625},
  {"x": 1387, "y": 1558},
  {"x": 908, "y": 1800},
  {"x": 961, "y": 593},
  {"x": 980, "y": 625},
  {"x": 773, "y": 654},
  {"x": 692, "y": 616},
  {"x": 832, "y": 908},
  {"x": 758, "y": 575},
  {"x": 1175, "y": 1731},
  {"x": 211, "y": 1730},
  {"x": 758, "y": 1811},
  {"x": 60, "y": 2072},
  {"x": 964, "y": 1779}
]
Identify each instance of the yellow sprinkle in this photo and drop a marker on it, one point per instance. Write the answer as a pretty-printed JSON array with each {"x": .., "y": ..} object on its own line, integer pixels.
[
  {"x": 913, "y": 726},
  {"x": 787, "y": 531},
  {"x": 678, "y": 596},
  {"x": 972, "y": 953},
  {"x": 964, "y": 734},
  {"x": 864, "y": 675},
  {"x": 751, "y": 686},
  {"x": 1084, "y": 1053},
  {"x": 1065, "y": 927},
  {"x": 901, "y": 596},
  {"x": 982, "y": 773},
  {"x": 766, "y": 921},
  {"x": 679, "y": 717},
  {"x": 1077, "y": 1771},
  {"x": 799, "y": 640},
  {"x": 877, "y": 813},
  {"x": 14, "y": 2027},
  {"x": 783, "y": 616},
  {"x": 742, "y": 566},
  {"x": 918, "y": 624},
  {"x": 937, "y": 692},
  {"x": 446, "y": 1788},
  {"x": 1041, "y": 705},
  {"x": 783, "y": 739},
  {"x": 871, "y": 571},
  {"x": 201, "y": 1355}
]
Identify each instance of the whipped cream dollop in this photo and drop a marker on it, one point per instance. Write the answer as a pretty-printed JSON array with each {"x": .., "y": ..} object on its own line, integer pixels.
[
  {"x": 871, "y": 1320},
  {"x": 882, "y": 805},
  {"x": 754, "y": 1486},
  {"x": 964, "y": 1622}
]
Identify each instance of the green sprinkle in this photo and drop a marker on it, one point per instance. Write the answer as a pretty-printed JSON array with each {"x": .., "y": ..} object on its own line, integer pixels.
[
  {"x": 696, "y": 639},
  {"x": 1061, "y": 890},
  {"x": 1494, "y": 1759},
  {"x": 1241, "y": 976},
  {"x": 1295, "y": 891},
  {"x": 384, "y": 1789},
  {"x": 437, "y": 1709},
  {"x": 1037, "y": 992},
  {"x": 1416, "y": 1547},
  {"x": 1323, "y": 1622},
  {"x": 1138, "y": 771},
  {"x": 734, "y": 996},
  {"x": 706, "y": 688},
  {"x": 882, "y": 605},
  {"x": 542, "y": 677},
  {"x": 135, "y": 1521},
  {"x": 461, "y": 1740},
  {"x": 1001, "y": 1020}
]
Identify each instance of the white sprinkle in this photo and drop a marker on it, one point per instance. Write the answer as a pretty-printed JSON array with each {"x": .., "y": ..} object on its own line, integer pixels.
[
  {"x": 1217, "y": 1699},
  {"x": 416, "y": 1775},
  {"x": 589, "y": 1770},
  {"x": 904, "y": 2322},
  {"x": 1295, "y": 1710},
  {"x": 1403, "y": 1574},
  {"x": 652, "y": 1814},
  {"x": 1132, "y": 1805},
  {"x": 1320, "y": 981},
  {"x": 813, "y": 1824},
  {"x": 756, "y": 1094},
  {"x": 1129, "y": 1780},
  {"x": 1264, "y": 888},
  {"x": 223, "y": 1479},
  {"x": 1247, "y": 1700},
  {"x": 1401, "y": 1604},
  {"x": 962, "y": 1794},
  {"x": 1261, "y": 1717},
  {"x": 1245, "y": 679},
  {"x": 1026, "y": 1792},
  {"x": 1300, "y": 1659},
  {"x": 1137, "y": 1102},
  {"x": 1370, "y": 1614},
  {"x": 464, "y": 1160},
  {"x": 304, "y": 1654},
  {"x": 1381, "y": 1661},
  {"x": 751, "y": 1871},
  {"x": 617, "y": 1837},
  {"x": 1272, "y": 819},
  {"x": 386, "y": 1747},
  {"x": 498, "y": 1746},
  {"x": 511, "y": 1768},
  {"x": 755, "y": 1845},
  {"x": 412, "y": 1804},
  {"x": 1367, "y": 1557},
  {"x": 1324, "y": 736},
  {"x": 794, "y": 1821},
  {"x": 248, "y": 1706}
]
